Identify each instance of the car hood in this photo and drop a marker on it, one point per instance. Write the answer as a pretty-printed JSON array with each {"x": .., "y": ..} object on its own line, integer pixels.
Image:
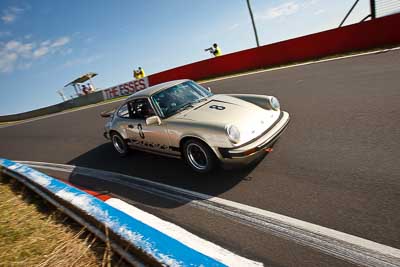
[{"x": 224, "y": 110}]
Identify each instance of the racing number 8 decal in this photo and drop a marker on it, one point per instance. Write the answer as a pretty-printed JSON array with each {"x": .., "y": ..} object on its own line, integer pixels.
[
  {"x": 141, "y": 133},
  {"x": 217, "y": 107}
]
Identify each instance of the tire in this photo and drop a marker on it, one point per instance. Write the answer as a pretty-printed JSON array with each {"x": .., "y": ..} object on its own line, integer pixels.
[
  {"x": 119, "y": 144},
  {"x": 199, "y": 156}
]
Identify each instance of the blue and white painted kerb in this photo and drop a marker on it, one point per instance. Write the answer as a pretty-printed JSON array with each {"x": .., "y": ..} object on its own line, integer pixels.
[{"x": 161, "y": 246}]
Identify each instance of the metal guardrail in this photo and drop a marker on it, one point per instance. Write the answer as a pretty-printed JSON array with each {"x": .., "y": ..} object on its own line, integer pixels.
[
  {"x": 138, "y": 243},
  {"x": 72, "y": 103}
]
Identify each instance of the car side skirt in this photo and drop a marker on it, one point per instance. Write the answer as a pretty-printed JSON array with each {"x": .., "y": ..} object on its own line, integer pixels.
[{"x": 156, "y": 152}]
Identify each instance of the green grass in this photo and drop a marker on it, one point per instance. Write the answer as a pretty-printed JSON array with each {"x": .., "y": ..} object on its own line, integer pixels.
[{"x": 34, "y": 233}]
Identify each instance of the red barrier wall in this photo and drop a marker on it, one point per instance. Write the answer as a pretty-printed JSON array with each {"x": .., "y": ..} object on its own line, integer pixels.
[{"x": 365, "y": 35}]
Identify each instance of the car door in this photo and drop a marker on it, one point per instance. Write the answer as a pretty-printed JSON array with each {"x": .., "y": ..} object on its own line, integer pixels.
[
  {"x": 148, "y": 137},
  {"x": 124, "y": 119}
]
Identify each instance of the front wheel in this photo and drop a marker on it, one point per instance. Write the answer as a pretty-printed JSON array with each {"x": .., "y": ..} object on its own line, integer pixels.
[
  {"x": 199, "y": 156},
  {"x": 119, "y": 144}
]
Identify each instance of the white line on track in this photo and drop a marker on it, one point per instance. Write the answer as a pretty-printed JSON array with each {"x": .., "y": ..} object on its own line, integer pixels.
[
  {"x": 212, "y": 80},
  {"x": 345, "y": 246},
  {"x": 178, "y": 233},
  {"x": 57, "y": 114}
]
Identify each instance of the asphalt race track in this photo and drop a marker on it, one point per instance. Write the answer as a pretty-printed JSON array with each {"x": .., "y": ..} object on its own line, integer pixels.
[{"x": 337, "y": 165}]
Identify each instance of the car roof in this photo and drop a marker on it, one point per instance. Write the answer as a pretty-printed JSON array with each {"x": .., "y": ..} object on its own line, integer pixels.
[{"x": 155, "y": 88}]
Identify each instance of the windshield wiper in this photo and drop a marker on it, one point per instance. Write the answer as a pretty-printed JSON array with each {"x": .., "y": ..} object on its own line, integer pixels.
[
  {"x": 187, "y": 105},
  {"x": 190, "y": 104},
  {"x": 200, "y": 100}
]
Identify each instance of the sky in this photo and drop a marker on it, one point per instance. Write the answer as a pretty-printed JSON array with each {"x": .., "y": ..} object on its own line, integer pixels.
[{"x": 46, "y": 44}]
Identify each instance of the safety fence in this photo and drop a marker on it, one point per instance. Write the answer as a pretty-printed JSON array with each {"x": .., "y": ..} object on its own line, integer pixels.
[
  {"x": 137, "y": 242},
  {"x": 366, "y": 35},
  {"x": 386, "y": 7}
]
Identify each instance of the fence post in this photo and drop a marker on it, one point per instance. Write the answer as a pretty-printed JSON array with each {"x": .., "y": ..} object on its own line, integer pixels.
[{"x": 373, "y": 9}]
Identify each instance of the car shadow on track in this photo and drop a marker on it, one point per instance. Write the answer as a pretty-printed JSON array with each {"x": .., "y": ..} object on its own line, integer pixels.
[{"x": 164, "y": 170}]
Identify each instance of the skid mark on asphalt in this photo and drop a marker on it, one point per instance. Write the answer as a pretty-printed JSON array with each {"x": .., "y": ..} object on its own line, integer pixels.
[{"x": 341, "y": 245}]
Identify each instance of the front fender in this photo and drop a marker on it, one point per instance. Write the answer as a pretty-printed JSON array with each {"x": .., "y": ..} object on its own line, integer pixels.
[
  {"x": 259, "y": 100},
  {"x": 212, "y": 135}
]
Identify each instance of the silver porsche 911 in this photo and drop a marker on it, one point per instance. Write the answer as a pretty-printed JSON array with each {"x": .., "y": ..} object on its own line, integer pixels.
[{"x": 183, "y": 119}]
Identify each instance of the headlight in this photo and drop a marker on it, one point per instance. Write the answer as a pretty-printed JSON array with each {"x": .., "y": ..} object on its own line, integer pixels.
[
  {"x": 233, "y": 133},
  {"x": 274, "y": 102}
]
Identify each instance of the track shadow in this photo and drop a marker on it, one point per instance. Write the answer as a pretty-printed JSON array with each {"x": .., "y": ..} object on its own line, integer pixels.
[{"x": 173, "y": 172}]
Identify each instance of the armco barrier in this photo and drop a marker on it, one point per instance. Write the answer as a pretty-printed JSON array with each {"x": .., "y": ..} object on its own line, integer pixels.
[
  {"x": 123, "y": 89},
  {"x": 379, "y": 32},
  {"x": 31, "y": 114},
  {"x": 93, "y": 98},
  {"x": 134, "y": 240}
]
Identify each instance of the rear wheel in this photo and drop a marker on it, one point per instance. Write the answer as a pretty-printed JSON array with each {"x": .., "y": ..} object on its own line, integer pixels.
[
  {"x": 199, "y": 156},
  {"x": 119, "y": 144}
]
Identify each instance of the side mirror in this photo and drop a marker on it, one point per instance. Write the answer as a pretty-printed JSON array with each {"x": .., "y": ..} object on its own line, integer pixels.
[
  {"x": 153, "y": 120},
  {"x": 209, "y": 89},
  {"x": 107, "y": 113}
]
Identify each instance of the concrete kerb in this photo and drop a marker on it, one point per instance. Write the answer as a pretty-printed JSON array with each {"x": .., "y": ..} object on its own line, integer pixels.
[
  {"x": 137, "y": 242},
  {"x": 150, "y": 246}
]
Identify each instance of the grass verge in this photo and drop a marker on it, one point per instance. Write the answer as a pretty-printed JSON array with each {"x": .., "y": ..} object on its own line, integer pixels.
[{"x": 34, "y": 233}]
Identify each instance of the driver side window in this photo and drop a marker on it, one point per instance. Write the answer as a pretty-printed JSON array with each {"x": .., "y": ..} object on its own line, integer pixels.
[
  {"x": 123, "y": 112},
  {"x": 141, "y": 109}
]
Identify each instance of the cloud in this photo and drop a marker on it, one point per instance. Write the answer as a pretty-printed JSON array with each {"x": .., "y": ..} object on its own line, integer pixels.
[
  {"x": 60, "y": 41},
  {"x": 7, "y": 61},
  {"x": 233, "y": 26},
  {"x": 10, "y": 14},
  {"x": 49, "y": 46},
  {"x": 15, "y": 53},
  {"x": 10, "y": 52},
  {"x": 285, "y": 9},
  {"x": 311, "y": 2},
  {"x": 319, "y": 12},
  {"x": 12, "y": 45},
  {"x": 41, "y": 51},
  {"x": 45, "y": 43},
  {"x": 4, "y": 33},
  {"x": 21, "y": 49}
]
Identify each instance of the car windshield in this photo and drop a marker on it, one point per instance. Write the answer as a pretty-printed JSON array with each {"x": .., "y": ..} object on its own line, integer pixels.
[{"x": 179, "y": 97}]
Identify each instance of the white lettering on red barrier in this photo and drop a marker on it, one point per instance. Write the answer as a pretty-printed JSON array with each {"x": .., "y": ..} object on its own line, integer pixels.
[{"x": 125, "y": 89}]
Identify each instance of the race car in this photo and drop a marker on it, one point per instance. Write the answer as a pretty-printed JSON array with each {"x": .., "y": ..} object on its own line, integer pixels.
[{"x": 183, "y": 119}]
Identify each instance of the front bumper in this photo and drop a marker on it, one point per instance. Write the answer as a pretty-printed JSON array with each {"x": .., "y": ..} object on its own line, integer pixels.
[
  {"x": 106, "y": 135},
  {"x": 248, "y": 152}
]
